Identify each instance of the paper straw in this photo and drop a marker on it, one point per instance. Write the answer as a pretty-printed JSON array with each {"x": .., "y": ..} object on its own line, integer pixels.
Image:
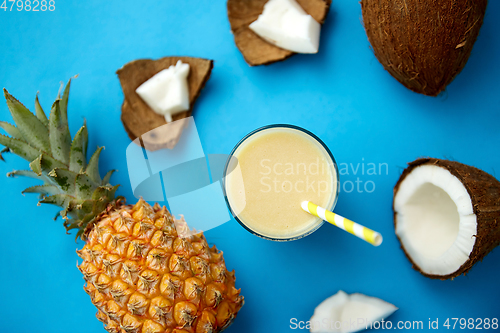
[{"x": 351, "y": 227}]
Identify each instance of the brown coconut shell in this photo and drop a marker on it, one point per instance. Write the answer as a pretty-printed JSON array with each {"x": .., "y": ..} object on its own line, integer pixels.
[
  {"x": 484, "y": 191},
  {"x": 256, "y": 50},
  {"x": 424, "y": 44},
  {"x": 138, "y": 118}
]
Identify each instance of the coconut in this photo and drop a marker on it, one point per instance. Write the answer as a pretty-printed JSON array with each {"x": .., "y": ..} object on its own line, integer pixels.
[
  {"x": 349, "y": 313},
  {"x": 446, "y": 216},
  {"x": 255, "y": 50},
  {"x": 424, "y": 44},
  {"x": 139, "y": 120}
]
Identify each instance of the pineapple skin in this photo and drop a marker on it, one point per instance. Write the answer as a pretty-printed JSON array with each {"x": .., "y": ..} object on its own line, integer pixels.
[{"x": 148, "y": 273}]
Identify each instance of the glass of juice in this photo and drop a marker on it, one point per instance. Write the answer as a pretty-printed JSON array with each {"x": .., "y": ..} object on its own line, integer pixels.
[{"x": 270, "y": 172}]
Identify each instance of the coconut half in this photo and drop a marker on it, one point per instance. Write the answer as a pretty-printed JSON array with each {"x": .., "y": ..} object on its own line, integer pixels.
[
  {"x": 446, "y": 216},
  {"x": 349, "y": 313},
  {"x": 138, "y": 118},
  {"x": 255, "y": 50}
]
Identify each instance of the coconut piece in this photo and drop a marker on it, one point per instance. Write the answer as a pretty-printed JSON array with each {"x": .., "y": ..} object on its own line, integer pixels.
[
  {"x": 167, "y": 92},
  {"x": 138, "y": 118},
  {"x": 424, "y": 44},
  {"x": 255, "y": 50},
  {"x": 349, "y": 313},
  {"x": 165, "y": 136},
  {"x": 446, "y": 216},
  {"x": 285, "y": 24}
]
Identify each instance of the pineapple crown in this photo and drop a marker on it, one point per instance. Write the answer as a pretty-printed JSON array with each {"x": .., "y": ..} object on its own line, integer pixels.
[{"x": 69, "y": 181}]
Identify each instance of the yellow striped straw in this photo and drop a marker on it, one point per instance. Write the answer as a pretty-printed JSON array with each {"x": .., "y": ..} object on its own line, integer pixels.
[{"x": 351, "y": 227}]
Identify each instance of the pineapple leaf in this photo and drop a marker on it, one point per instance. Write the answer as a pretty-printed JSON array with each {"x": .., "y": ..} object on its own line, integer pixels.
[
  {"x": 40, "y": 114},
  {"x": 49, "y": 163},
  {"x": 36, "y": 165},
  {"x": 100, "y": 205},
  {"x": 65, "y": 179},
  {"x": 61, "y": 200},
  {"x": 12, "y": 130},
  {"x": 31, "y": 128},
  {"x": 60, "y": 138},
  {"x": 43, "y": 189},
  {"x": 78, "y": 155},
  {"x": 26, "y": 151},
  {"x": 45, "y": 163},
  {"x": 111, "y": 192},
  {"x": 99, "y": 193},
  {"x": 103, "y": 194},
  {"x": 105, "y": 180},
  {"x": 29, "y": 174},
  {"x": 60, "y": 162},
  {"x": 93, "y": 166},
  {"x": 23, "y": 173},
  {"x": 79, "y": 233},
  {"x": 84, "y": 186},
  {"x": 5, "y": 150},
  {"x": 79, "y": 223},
  {"x": 64, "y": 103},
  {"x": 85, "y": 208},
  {"x": 19, "y": 148}
]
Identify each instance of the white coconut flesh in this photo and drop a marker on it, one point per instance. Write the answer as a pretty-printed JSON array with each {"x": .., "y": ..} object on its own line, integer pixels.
[
  {"x": 349, "y": 313},
  {"x": 285, "y": 24},
  {"x": 167, "y": 92},
  {"x": 435, "y": 220}
]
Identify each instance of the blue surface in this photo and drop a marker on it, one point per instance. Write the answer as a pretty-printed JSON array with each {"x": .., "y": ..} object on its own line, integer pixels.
[{"x": 342, "y": 94}]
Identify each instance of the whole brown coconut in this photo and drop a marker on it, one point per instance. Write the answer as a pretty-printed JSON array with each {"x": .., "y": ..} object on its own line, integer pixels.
[
  {"x": 424, "y": 44},
  {"x": 446, "y": 216}
]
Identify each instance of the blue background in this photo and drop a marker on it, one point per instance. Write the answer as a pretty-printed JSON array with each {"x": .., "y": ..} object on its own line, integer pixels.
[{"x": 342, "y": 94}]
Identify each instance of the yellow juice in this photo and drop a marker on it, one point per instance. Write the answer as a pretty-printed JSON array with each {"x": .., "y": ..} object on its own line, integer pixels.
[{"x": 278, "y": 168}]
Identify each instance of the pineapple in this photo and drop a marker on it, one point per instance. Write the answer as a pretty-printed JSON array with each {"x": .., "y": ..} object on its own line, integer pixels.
[{"x": 145, "y": 271}]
